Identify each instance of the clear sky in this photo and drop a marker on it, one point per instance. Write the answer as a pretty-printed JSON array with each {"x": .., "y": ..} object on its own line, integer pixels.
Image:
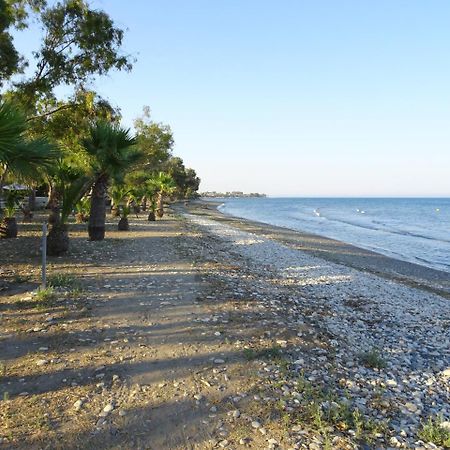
[{"x": 295, "y": 97}]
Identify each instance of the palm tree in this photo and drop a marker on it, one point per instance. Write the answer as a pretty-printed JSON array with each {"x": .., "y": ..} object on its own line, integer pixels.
[
  {"x": 117, "y": 193},
  {"x": 72, "y": 184},
  {"x": 112, "y": 152},
  {"x": 165, "y": 185},
  {"x": 22, "y": 159},
  {"x": 82, "y": 208},
  {"x": 151, "y": 192},
  {"x": 8, "y": 226},
  {"x": 19, "y": 157}
]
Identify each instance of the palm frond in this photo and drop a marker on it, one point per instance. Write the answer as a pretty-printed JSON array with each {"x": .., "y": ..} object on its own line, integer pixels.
[
  {"x": 23, "y": 158},
  {"x": 32, "y": 158},
  {"x": 72, "y": 193},
  {"x": 12, "y": 127},
  {"x": 112, "y": 150}
]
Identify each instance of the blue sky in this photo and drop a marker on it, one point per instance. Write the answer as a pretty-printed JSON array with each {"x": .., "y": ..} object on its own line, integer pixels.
[{"x": 304, "y": 98}]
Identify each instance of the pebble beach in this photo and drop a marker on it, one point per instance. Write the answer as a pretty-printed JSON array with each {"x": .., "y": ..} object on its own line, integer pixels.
[{"x": 388, "y": 343}]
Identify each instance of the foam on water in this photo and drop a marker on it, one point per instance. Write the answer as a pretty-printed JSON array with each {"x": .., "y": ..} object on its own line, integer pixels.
[{"x": 415, "y": 230}]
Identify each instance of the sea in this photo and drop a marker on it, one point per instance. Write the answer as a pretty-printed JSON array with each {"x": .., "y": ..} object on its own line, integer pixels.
[{"x": 410, "y": 229}]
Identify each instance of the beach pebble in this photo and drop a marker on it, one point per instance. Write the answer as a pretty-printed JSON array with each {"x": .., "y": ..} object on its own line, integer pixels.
[
  {"x": 78, "y": 404},
  {"x": 108, "y": 408}
]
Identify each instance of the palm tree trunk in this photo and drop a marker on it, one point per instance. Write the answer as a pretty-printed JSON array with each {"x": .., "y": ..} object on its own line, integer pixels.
[
  {"x": 8, "y": 227},
  {"x": 97, "y": 217},
  {"x": 32, "y": 200},
  {"x": 57, "y": 239},
  {"x": 123, "y": 224},
  {"x": 54, "y": 202},
  {"x": 2, "y": 182},
  {"x": 160, "y": 205},
  {"x": 52, "y": 197}
]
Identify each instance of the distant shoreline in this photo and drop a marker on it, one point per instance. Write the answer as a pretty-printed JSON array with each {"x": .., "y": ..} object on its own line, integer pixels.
[
  {"x": 234, "y": 194},
  {"x": 339, "y": 252}
]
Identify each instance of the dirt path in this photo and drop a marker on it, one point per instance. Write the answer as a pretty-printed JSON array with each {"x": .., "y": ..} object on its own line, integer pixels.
[{"x": 143, "y": 357}]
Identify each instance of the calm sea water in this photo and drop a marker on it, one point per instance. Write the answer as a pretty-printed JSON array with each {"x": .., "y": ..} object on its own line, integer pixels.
[{"x": 415, "y": 230}]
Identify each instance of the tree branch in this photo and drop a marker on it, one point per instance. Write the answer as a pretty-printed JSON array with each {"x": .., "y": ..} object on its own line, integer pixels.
[{"x": 53, "y": 111}]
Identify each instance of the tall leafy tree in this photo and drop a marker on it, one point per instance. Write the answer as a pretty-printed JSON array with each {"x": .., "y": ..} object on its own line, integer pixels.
[
  {"x": 155, "y": 140},
  {"x": 79, "y": 44},
  {"x": 10, "y": 59},
  {"x": 191, "y": 183},
  {"x": 13, "y": 15},
  {"x": 112, "y": 151},
  {"x": 186, "y": 180}
]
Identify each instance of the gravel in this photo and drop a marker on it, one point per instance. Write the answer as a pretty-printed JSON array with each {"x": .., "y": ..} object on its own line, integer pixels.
[{"x": 389, "y": 342}]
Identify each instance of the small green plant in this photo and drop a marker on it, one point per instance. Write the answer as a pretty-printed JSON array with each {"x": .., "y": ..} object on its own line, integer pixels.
[
  {"x": 372, "y": 359},
  {"x": 324, "y": 411},
  {"x": 82, "y": 209},
  {"x": 12, "y": 200},
  {"x": 21, "y": 278},
  {"x": 433, "y": 431},
  {"x": 2, "y": 369},
  {"x": 125, "y": 211},
  {"x": 45, "y": 297},
  {"x": 63, "y": 280}
]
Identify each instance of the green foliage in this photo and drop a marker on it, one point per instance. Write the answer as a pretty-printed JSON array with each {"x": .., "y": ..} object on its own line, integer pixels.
[
  {"x": 186, "y": 180},
  {"x": 12, "y": 200},
  {"x": 156, "y": 142},
  {"x": 80, "y": 42},
  {"x": 153, "y": 204},
  {"x": 64, "y": 280},
  {"x": 45, "y": 297},
  {"x": 13, "y": 14},
  {"x": 69, "y": 121},
  {"x": 125, "y": 211},
  {"x": 20, "y": 10},
  {"x": 323, "y": 411},
  {"x": 164, "y": 183},
  {"x": 23, "y": 158},
  {"x": 433, "y": 431},
  {"x": 111, "y": 149},
  {"x": 82, "y": 206},
  {"x": 372, "y": 359},
  {"x": 117, "y": 193},
  {"x": 10, "y": 59},
  {"x": 72, "y": 184}
]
